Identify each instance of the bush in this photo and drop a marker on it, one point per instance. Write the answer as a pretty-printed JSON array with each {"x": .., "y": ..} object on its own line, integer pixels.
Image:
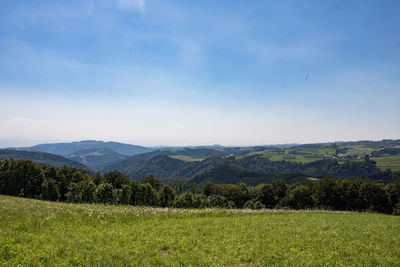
[
  {"x": 253, "y": 204},
  {"x": 266, "y": 196},
  {"x": 185, "y": 200},
  {"x": 299, "y": 197},
  {"x": 49, "y": 190},
  {"x": 396, "y": 209},
  {"x": 167, "y": 196},
  {"x": 374, "y": 197},
  {"x": 154, "y": 182},
  {"x": 81, "y": 192},
  {"x": 125, "y": 195},
  {"x": 116, "y": 179},
  {"x": 104, "y": 193},
  {"x": 216, "y": 201}
]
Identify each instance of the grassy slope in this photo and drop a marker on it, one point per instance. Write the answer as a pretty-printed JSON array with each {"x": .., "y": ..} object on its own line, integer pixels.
[
  {"x": 187, "y": 158},
  {"x": 392, "y": 162},
  {"x": 34, "y": 232}
]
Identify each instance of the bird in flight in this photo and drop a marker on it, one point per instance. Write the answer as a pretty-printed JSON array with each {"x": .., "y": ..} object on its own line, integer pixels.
[{"x": 306, "y": 77}]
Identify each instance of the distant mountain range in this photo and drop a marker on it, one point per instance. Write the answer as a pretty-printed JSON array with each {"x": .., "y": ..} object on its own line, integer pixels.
[
  {"x": 221, "y": 164},
  {"x": 65, "y": 149}
]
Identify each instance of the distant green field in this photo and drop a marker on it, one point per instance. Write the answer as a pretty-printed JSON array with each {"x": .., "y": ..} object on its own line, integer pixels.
[
  {"x": 359, "y": 150},
  {"x": 388, "y": 162},
  {"x": 295, "y": 158},
  {"x": 314, "y": 153},
  {"x": 186, "y": 158},
  {"x": 36, "y": 233}
]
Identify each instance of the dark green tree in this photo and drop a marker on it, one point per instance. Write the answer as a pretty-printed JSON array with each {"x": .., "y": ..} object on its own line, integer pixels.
[
  {"x": 98, "y": 179},
  {"x": 374, "y": 197},
  {"x": 154, "y": 182},
  {"x": 279, "y": 187},
  {"x": 217, "y": 201},
  {"x": 185, "y": 200},
  {"x": 167, "y": 196},
  {"x": 104, "y": 193},
  {"x": 116, "y": 179},
  {"x": 50, "y": 190},
  {"x": 66, "y": 176},
  {"x": 253, "y": 204},
  {"x": 393, "y": 190},
  {"x": 299, "y": 197},
  {"x": 136, "y": 193},
  {"x": 144, "y": 195},
  {"x": 266, "y": 196},
  {"x": 327, "y": 194},
  {"x": 125, "y": 194}
]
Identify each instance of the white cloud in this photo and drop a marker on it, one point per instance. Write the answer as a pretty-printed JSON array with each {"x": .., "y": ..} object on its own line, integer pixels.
[
  {"x": 137, "y": 5},
  {"x": 21, "y": 122}
]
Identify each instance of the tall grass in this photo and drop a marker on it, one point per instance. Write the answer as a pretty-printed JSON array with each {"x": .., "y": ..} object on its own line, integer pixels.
[{"x": 34, "y": 232}]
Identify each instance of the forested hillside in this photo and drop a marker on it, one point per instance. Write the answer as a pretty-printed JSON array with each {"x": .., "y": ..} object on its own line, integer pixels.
[
  {"x": 41, "y": 158},
  {"x": 25, "y": 178},
  {"x": 377, "y": 160},
  {"x": 96, "y": 158}
]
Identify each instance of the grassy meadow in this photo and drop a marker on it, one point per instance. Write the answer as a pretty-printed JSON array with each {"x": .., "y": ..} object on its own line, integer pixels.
[
  {"x": 388, "y": 162},
  {"x": 187, "y": 158},
  {"x": 34, "y": 232}
]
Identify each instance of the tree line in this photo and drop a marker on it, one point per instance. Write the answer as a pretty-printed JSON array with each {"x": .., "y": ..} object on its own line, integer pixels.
[{"x": 25, "y": 178}]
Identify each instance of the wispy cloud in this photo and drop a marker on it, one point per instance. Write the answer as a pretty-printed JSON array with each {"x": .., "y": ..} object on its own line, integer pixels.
[
  {"x": 26, "y": 122},
  {"x": 201, "y": 71},
  {"x": 90, "y": 8},
  {"x": 137, "y": 5}
]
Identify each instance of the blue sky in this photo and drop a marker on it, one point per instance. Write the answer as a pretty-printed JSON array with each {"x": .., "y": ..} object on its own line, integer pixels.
[{"x": 199, "y": 72}]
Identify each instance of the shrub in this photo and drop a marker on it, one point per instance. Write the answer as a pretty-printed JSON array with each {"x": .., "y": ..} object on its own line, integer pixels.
[
  {"x": 396, "y": 209},
  {"x": 216, "y": 201},
  {"x": 125, "y": 195},
  {"x": 104, "y": 193},
  {"x": 299, "y": 197},
  {"x": 167, "y": 196},
  {"x": 253, "y": 204},
  {"x": 49, "y": 190}
]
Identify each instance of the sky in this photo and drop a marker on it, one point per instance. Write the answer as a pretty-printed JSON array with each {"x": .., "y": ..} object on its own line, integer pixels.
[{"x": 151, "y": 72}]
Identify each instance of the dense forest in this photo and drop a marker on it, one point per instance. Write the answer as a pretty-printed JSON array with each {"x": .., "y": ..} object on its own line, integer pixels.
[{"x": 25, "y": 178}]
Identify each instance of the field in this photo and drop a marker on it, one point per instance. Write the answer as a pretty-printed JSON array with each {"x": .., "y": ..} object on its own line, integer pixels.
[
  {"x": 311, "y": 154},
  {"x": 388, "y": 162},
  {"x": 187, "y": 158},
  {"x": 34, "y": 232},
  {"x": 295, "y": 158}
]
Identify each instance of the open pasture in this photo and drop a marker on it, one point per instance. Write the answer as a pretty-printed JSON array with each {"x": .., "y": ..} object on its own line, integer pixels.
[
  {"x": 34, "y": 232},
  {"x": 187, "y": 158},
  {"x": 388, "y": 162}
]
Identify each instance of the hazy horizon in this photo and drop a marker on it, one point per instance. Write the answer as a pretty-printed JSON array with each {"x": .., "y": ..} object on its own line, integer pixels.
[
  {"x": 181, "y": 73},
  {"x": 29, "y": 143}
]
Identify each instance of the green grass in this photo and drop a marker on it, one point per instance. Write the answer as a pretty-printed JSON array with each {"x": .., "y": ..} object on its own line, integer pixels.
[
  {"x": 360, "y": 150},
  {"x": 295, "y": 158},
  {"x": 388, "y": 162},
  {"x": 187, "y": 158},
  {"x": 36, "y": 233}
]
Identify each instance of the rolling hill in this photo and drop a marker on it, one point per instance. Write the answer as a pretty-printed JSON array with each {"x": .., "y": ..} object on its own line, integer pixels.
[
  {"x": 224, "y": 164},
  {"x": 163, "y": 164},
  {"x": 65, "y": 149},
  {"x": 230, "y": 168},
  {"x": 42, "y": 158},
  {"x": 132, "y": 164},
  {"x": 96, "y": 158}
]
